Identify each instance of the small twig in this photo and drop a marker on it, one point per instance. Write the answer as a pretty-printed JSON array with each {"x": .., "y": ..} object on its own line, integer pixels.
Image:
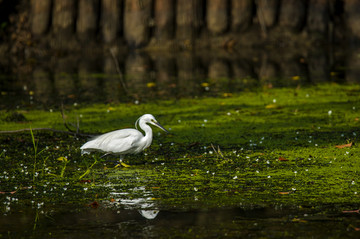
[
  {"x": 64, "y": 120},
  {"x": 352, "y": 211},
  {"x": 118, "y": 69},
  {"x": 218, "y": 152},
  {"x": 77, "y": 124},
  {"x": 66, "y": 124}
]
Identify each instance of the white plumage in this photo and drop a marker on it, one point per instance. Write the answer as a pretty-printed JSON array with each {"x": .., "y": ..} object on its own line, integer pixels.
[{"x": 124, "y": 141}]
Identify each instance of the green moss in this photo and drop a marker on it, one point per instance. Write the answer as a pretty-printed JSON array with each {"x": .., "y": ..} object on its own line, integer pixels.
[{"x": 181, "y": 170}]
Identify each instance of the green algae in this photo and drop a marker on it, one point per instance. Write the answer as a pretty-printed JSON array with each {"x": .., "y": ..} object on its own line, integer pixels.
[{"x": 271, "y": 148}]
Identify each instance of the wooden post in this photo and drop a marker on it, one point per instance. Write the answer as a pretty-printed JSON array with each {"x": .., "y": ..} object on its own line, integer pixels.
[
  {"x": 318, "y": 17},
  {"x": 267, "y": 11},
  {"x": 352, "y": 14},
  {"x": 241, "y": 14},
  {"x": 292, "y": 14},
  {"x": 111, "y": 19},
  {"x": 137, "y": 21},
  {"x": 189, "y": 19},
  {"x": 64, "y": 18},
  {"x": 40, "y": 16},
  {"x": 87, "y": 19},
  {"x": 164, "y": 12},
  {"x": 217, "y": 16}
]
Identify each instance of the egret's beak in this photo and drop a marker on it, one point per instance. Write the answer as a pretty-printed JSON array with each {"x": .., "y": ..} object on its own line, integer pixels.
[{"x": 159, "y": 125}]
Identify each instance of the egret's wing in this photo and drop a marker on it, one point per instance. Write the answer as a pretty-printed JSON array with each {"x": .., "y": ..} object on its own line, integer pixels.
[{"x": 119, "y": 141}]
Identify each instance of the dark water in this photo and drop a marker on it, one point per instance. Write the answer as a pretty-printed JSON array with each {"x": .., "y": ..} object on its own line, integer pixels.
[
  {"x": 140, "y": 76},
  {"x": 216, "y": 223},
  {"x": 144, "y": 77}
]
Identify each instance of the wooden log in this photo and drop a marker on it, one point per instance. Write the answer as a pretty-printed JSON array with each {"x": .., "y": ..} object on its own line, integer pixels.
[
  {"x": 267, "y": 11},
  {"x": 292, "y": 14},
  {"x": 241, "y": 14},
  {"x": 189, "y": 18},
  {"x": 63, "y": 21},
  {"x": 352, "y": 10},
  {"x": 111, "y": 20},
  {"x": 137, "y": 21},
  {"x": 217, "y": 16},
  {"x": 40, "y": 16},
  {"x": 318, "y": 17},
  {"x": 164, "y": 12},
  {"x": 87, "y": 19}
]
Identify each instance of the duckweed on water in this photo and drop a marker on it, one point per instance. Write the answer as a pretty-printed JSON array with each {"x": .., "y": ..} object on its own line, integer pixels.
[{"x": 274, "y": 148}]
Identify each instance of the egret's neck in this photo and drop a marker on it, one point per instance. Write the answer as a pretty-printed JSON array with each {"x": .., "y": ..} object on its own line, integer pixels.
[{"x": 148, "y": 132}]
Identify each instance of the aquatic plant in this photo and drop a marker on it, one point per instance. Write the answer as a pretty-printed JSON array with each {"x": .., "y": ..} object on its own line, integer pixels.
[
  {"x": 36, "y": 153},
  {"x": 276, "y": 148}
]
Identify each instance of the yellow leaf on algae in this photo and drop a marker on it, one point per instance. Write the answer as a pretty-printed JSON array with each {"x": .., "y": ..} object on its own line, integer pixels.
[
  {"x": 62, "y": 159},
  {"x": 227, "y": 94},
  {"x": 299, "y": 220},
  {"x": 151, "y": 84},
  {"x": 271, "y": 106},
  {"x": 284, "y": 193}
]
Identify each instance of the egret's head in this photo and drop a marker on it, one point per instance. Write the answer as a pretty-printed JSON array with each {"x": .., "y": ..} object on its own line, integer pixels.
[{"x": 149, "y": 118}]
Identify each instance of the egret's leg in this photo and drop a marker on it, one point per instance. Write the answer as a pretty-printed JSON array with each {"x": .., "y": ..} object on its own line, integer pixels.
[
  {"x": 121, "y": 163},
  {"x": 109, "y": 160},
  {"x": 121, "y": 157},
  {"x": 105, "y": 155}
]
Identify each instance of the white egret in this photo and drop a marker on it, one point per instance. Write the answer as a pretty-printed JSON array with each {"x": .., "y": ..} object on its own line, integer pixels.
[{"x": 124, "y": 141}]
